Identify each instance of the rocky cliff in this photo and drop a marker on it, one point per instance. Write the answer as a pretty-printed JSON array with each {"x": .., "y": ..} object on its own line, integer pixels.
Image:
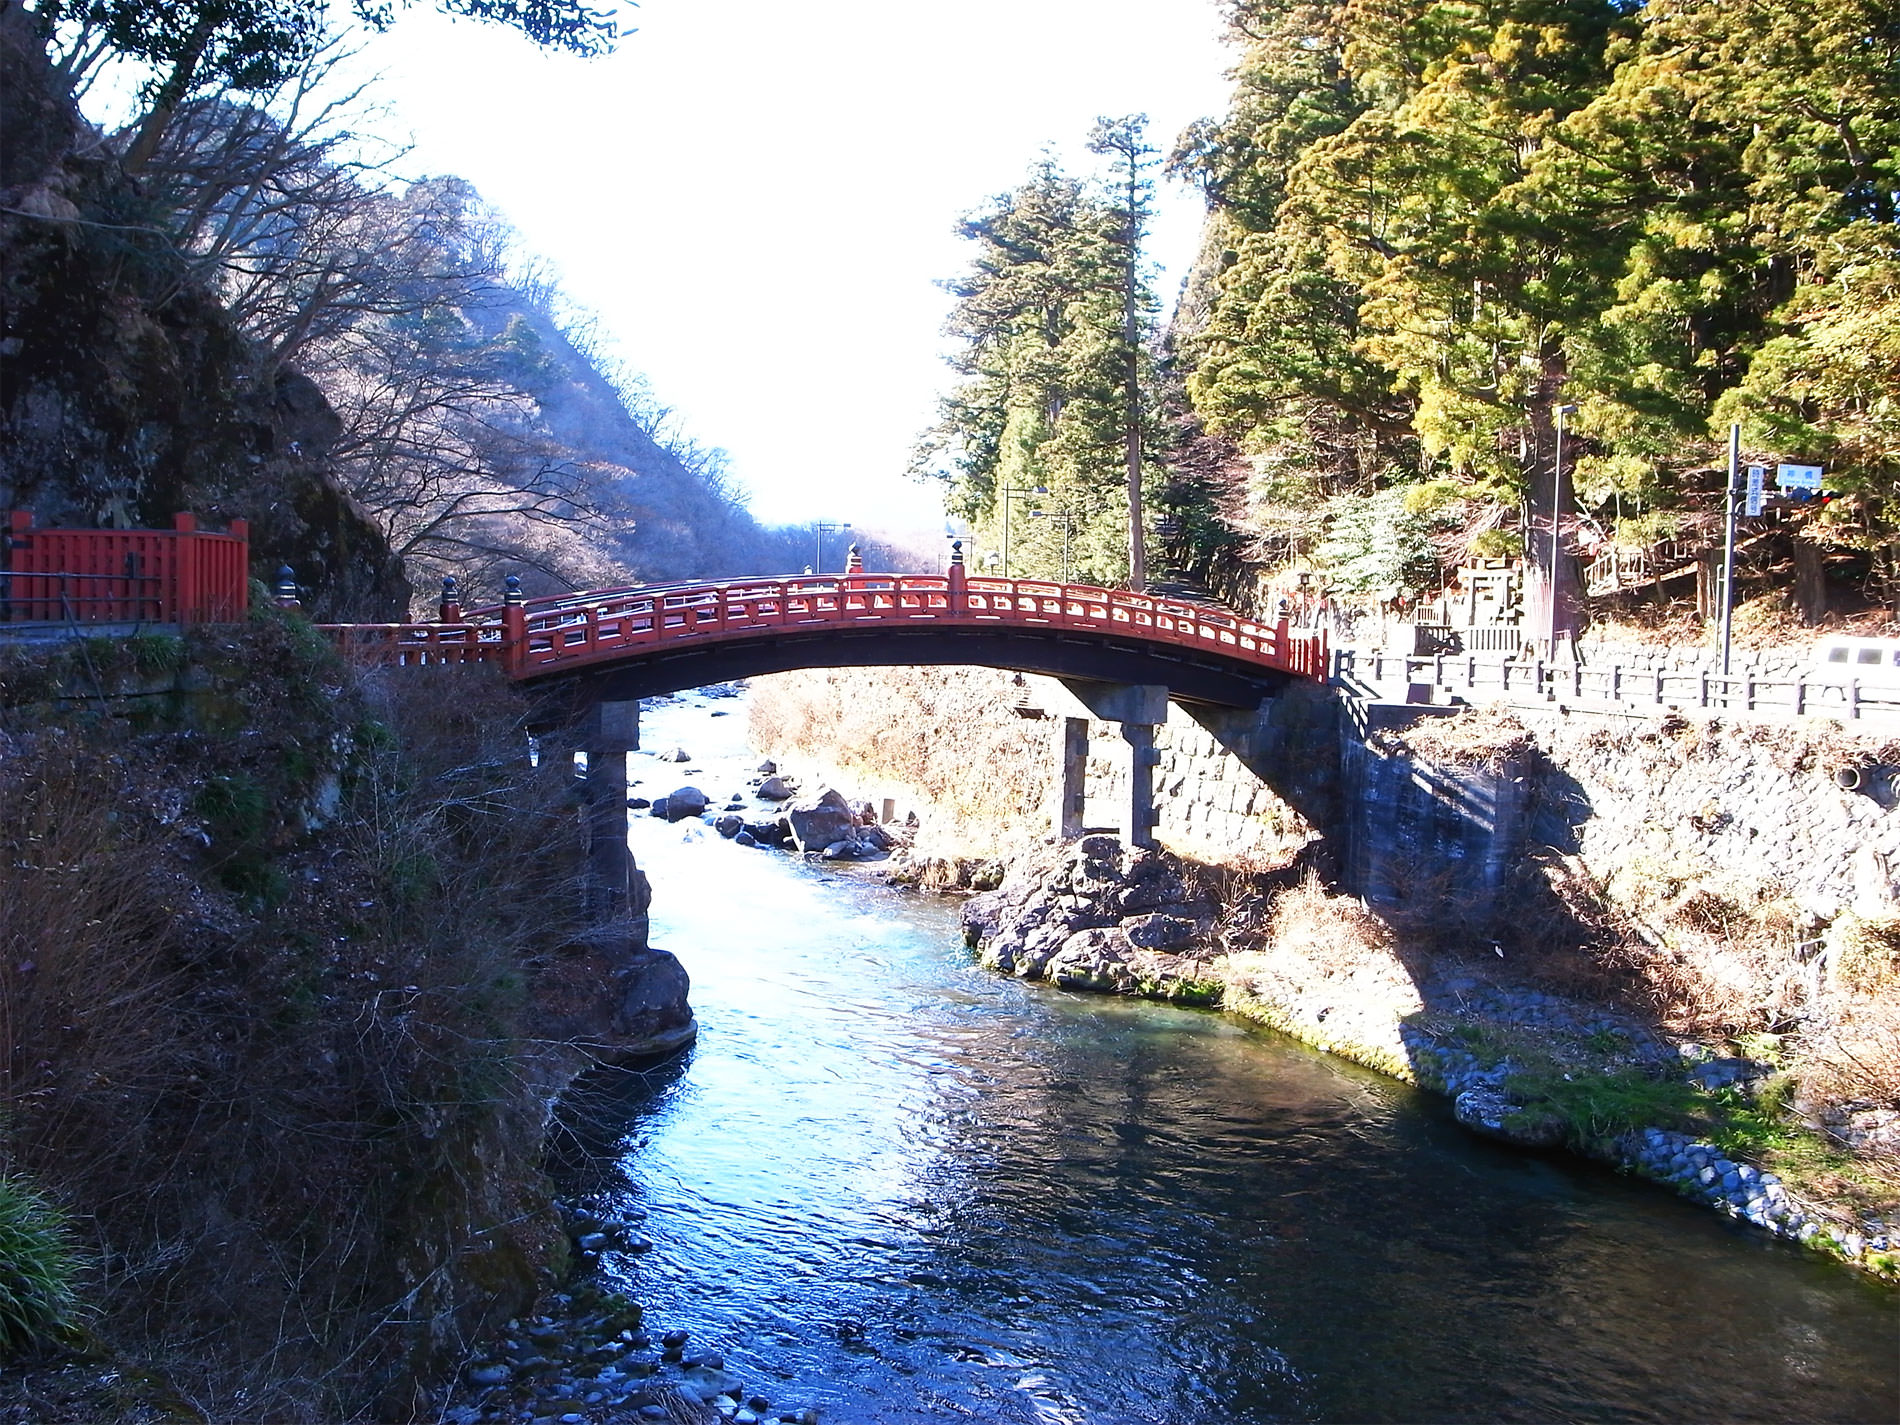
[{"x": 128, "y": 394}]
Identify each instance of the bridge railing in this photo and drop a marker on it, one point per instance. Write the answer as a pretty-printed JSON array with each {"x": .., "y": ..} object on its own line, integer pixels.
[
  {"x": 416, "y": 645},
  {"x": 536, "y": 637}
]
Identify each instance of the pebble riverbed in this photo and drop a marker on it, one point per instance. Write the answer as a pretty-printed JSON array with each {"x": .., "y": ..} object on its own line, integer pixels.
[{"x": 590, "y": 1358}]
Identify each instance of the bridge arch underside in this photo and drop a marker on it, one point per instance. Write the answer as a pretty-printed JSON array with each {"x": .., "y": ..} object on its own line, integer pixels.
[{"x": 1189, "y": 675}]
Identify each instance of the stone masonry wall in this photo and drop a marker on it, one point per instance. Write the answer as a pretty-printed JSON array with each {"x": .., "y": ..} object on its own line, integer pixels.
[{"x": 1249, "y": 788}]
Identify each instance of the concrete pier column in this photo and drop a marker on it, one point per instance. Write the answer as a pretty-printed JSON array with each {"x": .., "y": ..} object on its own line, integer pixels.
[
  {"x": 1071, "y": 780},
  {"x": 1136, "y": 817},
  {"x": 618, "y": 894}
]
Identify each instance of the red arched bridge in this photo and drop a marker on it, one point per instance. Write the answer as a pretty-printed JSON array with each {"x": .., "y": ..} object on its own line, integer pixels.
[{"x": 620, "y": 644}]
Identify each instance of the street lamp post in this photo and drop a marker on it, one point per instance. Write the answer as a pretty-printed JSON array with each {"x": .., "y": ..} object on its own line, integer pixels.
[
  {"x": 1010, "y": 492},
  {"x": 1067, "y": 522},
  {"x": 824, "y": 528},
  {"x": 1556, "y": 521}
]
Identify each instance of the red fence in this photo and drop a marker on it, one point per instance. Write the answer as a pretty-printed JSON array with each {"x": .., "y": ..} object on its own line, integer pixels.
[
  {"x": 177, "y": 575},
  {"x": 543, "y": 637}
]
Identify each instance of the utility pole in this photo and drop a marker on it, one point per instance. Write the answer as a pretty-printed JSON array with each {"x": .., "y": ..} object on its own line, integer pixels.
[{"x": 1728, "y": 539}]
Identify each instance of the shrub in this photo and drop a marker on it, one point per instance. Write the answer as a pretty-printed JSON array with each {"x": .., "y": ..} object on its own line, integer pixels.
[{"x": 40, "y": 1265}]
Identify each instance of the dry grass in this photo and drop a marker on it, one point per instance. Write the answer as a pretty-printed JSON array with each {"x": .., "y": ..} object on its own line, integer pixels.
[
  {"x": 277, "y": 1074},
  {"x": 1855, "y": 1059},
  {"x": 948, "y": 735},
  {"x": 1489, "y": 739}
]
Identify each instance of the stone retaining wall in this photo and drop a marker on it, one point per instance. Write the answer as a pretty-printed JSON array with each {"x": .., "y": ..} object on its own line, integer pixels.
[{"x": 1744, "y": 810}]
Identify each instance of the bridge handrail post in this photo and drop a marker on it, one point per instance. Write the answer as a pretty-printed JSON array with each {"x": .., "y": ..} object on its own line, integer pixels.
[
  {"x": 958, "y": 596},
  {"x": 514, "y": 627}
]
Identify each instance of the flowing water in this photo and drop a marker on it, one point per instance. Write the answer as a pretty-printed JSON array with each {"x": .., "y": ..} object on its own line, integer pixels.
[{"x": 900, "y": 1188}]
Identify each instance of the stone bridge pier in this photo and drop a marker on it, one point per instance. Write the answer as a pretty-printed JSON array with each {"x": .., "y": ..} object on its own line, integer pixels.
[
  {"x": 643, "y": 1009},
  {"x": 618, "y": 894},
  {"x": 1138, "y": 709}
]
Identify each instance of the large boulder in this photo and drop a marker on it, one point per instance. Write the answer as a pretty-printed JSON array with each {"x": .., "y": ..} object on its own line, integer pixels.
[
  {"x": 775, "y": 789},
  {"x": 1095, "y": 915},
  {"x": 821, "y": 821},
  {"x": 687, "y": 801}
]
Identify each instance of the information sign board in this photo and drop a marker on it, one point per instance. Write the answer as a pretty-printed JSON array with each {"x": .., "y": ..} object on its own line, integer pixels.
[
  {"x": 1798, "y": 477},
  {"x": 1757, "y": 478}
]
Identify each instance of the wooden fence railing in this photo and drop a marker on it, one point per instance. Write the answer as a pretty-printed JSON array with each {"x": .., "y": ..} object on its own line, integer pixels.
[
  {"x": 541, "y": 637},
  {"x": 177, "y": 575}
]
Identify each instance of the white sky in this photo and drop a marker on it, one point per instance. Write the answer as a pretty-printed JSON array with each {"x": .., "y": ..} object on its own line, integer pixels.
[{"x": 757, "y": 196}]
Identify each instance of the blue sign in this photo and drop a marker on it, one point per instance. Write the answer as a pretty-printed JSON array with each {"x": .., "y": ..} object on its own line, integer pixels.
[{"x": 1798, "y": 477}]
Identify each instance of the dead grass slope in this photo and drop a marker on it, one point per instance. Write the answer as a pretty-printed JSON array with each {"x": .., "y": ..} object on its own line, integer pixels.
[{"x": 267, "y": 957}]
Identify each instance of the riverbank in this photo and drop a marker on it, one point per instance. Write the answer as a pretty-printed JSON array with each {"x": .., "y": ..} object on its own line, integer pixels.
[
  {"x": 895, "y": 1187},
  {"x": 1522, "y": 1062}
]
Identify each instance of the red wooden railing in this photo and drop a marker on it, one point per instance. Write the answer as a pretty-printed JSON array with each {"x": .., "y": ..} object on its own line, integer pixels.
[
  {"x": 177, "y": 575},
  {"x": 549, "y": 636}
]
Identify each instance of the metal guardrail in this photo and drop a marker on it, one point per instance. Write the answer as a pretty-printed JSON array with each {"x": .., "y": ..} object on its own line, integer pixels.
[{"x": 1640, "y": 691}]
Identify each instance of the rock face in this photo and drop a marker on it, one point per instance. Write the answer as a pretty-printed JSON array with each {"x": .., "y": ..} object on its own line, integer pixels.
[{"x": 1093, "y": 915}]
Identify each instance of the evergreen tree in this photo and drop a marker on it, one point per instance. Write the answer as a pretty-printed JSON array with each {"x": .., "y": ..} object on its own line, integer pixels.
[
  {"x": 1039, "y": 418},
  {"x": 1435, "y": 220}
]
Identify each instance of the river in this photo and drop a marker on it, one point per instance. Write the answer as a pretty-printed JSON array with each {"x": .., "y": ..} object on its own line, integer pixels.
[{"x": 906, "y": 1190}]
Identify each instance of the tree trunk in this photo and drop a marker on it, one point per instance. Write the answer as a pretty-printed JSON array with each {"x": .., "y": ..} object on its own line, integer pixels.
[
  {"x": 177, "y": 85},
  {"x": 1137, "y": 549}
]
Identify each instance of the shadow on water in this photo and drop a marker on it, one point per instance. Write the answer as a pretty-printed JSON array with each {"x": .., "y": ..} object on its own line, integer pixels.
[{"x": 595, "y": 1125}]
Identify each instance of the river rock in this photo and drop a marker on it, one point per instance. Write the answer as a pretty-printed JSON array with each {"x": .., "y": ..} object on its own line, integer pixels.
[
  {"x": 768, "y": 766},
  {"x": 1161, "y": 931},
  {"x": 775, "y": 789},
  {"x": 659, "y": 809},
  {"x": 678, "y": 754},
  {"x": 1487, "y": 1111},
  {"x": 729, "y": 825},
  {"x": 819, "y": 821},
  {"x": 875, "y": 837},
  {"x": 707, "y": 1382},
  {"x": 1096, "y": 915},
  {"x": 769, "y": 833},
  {"x": 687, "y": 801},
  {"x": 638, "y": 803},
  {"x": 743, "y": 837}
]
